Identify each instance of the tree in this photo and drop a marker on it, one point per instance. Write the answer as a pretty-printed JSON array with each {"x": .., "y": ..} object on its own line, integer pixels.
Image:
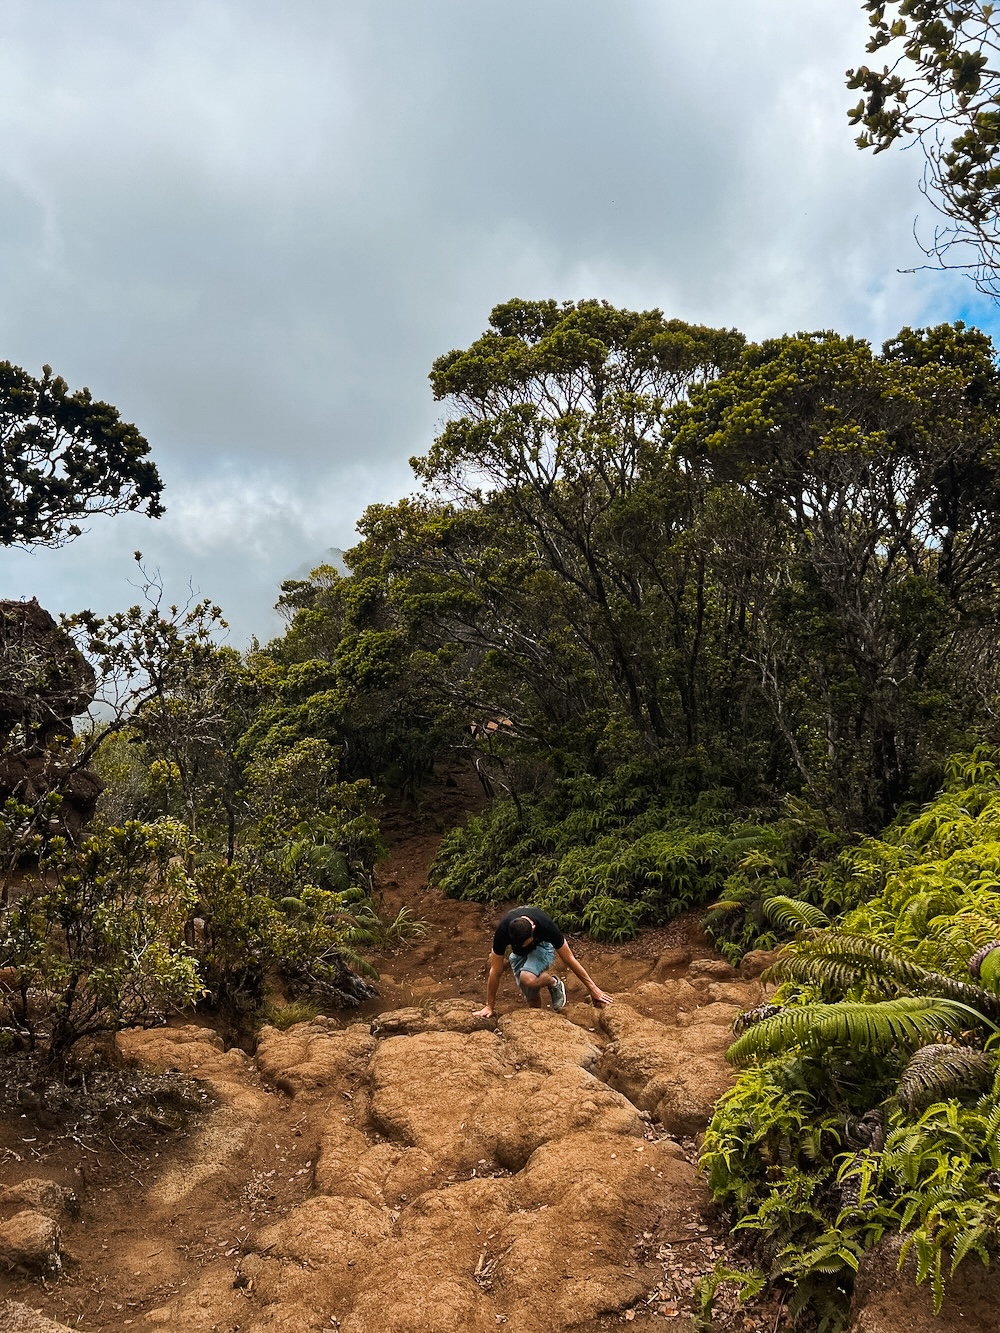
[
  {"x": 65, "y": 458},
  {"x": 869, "y": 619},
  {"x": 558, "y": 438},
  {"x": 943, "y": 87}
]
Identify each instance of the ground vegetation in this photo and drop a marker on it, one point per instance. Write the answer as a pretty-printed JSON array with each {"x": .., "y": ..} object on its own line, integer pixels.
[{"x": 869, "y": 1104}]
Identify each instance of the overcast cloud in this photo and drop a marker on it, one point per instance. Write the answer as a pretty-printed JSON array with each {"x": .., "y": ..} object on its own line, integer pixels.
[{"x": 253, "y": 225}]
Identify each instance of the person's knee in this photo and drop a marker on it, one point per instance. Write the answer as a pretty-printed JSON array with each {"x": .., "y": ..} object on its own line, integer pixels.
[{"x": 530, "y": 982}]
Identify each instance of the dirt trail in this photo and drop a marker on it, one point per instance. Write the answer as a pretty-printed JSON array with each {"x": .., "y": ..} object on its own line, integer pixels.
[{"x": 414, "y": 1168}]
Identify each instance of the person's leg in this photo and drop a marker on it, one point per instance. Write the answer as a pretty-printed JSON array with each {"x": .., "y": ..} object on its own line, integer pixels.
[
  {"x": 517, "y": 965},
  {"x": 532, "y": 972}
]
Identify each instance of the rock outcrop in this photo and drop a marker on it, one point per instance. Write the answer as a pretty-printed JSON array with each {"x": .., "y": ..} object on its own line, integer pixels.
[
  {"x": 44, "y": 682},
  {"x": 44, "y": 679},
  {"x": 470, "y": 1174}
]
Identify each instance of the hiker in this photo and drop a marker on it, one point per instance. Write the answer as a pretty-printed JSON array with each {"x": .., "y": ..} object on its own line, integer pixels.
[{"x": 535, "y": 941}]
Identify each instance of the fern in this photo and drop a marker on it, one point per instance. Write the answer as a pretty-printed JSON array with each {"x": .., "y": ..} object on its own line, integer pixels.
[
  {"x": 974, "y": 1237},
  {"x": 793, "y": 914},
  {"x": 749, "y": 1285},
  {"x": 890, "y": 978},
  {"x": 892, "y": 1025},
  {"x": 939, "y": 1071},
  {"x": 846, "y": 960}
]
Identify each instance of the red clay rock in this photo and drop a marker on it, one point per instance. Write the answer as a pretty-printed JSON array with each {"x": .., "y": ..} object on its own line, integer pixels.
[
  {"x": 540, "y": 1040},
  {"x": 662, "y": 999},
  {"x": 757, "y": 961},
  {"x": 686, "y": 1098},
  {"x": 336, "y": 1232},
  {"x": 223, "y": 1137},
  {"x": 29, "y": 1242},
  {"x": 676, "y": 1077},
  {"x": 426, "y": 1092},
  {"x": 669, "y": 962},
  {"x": 640, "y": 1048},
  {"x": 570, "y": 1101},
  {"x": 470, "y": 1179},
  {"x": 41, "y": 1196},
  {"x": 714, "y": 969},
  {"x": 744, "y": 993},
  {"x": 18, "y": 1318},
  {"x": 719, "y": 1014},
  {"x": 439, "y": 1016},
  {"x": 314, "y": 1057}
]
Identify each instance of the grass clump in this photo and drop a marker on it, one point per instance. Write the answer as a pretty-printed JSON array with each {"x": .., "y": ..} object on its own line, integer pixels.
[{"x": 285, "y": 1016}]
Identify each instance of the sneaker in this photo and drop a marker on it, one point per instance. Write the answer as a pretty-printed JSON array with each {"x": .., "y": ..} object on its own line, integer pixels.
[{"x": 558, "y": 992}]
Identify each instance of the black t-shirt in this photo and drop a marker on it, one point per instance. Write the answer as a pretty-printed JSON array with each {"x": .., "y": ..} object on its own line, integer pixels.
[{"x": 545, "y": 929}]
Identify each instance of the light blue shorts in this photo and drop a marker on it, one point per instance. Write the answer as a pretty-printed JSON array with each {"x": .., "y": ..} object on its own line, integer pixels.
[{"x": 536, "y": 962}]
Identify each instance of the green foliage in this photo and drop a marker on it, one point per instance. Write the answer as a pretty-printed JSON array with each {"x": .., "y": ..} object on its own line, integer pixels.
[
  {"x": 942, "y": 86},
  {"x": 855, "y": 1118},
  {"x": 837, "y": 961},
  {"x": 403, "y": 928},
  {"x": 832, "y": 446},
  {"x": 780, "y": 886},
  {"x": 284, "y": 852},
  {"x": 351, "y": 669},
  {"x": 285, "y": 1016},
  {"x": 940, "y": 1071},
  {"x": 748, "y": 1285},
  {"x": 892, "y": 1025},
  {"x": 639, "y": 538},
  {"x": 96, "y": 943},
  {"x": 606, "y": 856},
  {"x": 296, "y": 898},
  {"x": 312, "y": 938},
  {"x": 793, "y": 914},
  {"x": 63, "y": 458},
  {"x": 130, "y": 782}
]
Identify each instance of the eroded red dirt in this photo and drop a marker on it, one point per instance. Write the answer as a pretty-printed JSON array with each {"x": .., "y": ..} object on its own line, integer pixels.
[{"x": 413, "y": 1168}]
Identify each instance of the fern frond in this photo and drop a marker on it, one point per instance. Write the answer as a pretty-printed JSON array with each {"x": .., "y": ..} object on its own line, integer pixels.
[
  {"x": 940, "y": 1071},
  {"x": 921, "y": 908},
  {"x": 902, "y": 1023},
  {"x": 845, "y": 960},
  {"x": 830, "y": 975},
  {"x": 794, "y": 914},
  {"x": 974, "y": 1237}
]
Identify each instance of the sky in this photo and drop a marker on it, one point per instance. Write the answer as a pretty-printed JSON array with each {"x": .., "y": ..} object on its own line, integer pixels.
[{"x": 252, "y": 225}]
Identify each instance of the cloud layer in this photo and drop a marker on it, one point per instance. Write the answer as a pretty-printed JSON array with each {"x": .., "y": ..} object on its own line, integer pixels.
[{"x": 252, "y": 226}]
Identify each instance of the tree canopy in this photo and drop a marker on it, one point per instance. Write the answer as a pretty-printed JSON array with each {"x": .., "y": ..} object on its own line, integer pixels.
[
  {"x": 65, "y": 457},
  {"x": 771, "y": 565}
]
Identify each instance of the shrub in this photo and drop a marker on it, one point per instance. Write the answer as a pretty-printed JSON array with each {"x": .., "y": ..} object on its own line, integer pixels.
[
  {"x": 95, "y": 942},
  {"x": 606, "y": 857}
]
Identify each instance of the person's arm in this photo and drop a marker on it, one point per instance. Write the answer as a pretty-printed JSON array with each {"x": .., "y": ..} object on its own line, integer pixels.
[
  {"x": 492, "y": 982},
  {"x": 573, "y": 963}
]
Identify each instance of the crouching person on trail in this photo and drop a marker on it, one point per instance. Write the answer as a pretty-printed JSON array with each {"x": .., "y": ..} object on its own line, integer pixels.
[{"x": 535, "y": 941}]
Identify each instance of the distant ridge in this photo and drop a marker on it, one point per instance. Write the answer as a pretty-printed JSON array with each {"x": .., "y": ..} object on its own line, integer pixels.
[{"x": 333, "y": 555}]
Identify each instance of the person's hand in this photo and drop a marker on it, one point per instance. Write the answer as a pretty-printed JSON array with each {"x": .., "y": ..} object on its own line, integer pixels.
[
  {"x": 486, "y": 1012},
  {"x": 601, "y": 998}
]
